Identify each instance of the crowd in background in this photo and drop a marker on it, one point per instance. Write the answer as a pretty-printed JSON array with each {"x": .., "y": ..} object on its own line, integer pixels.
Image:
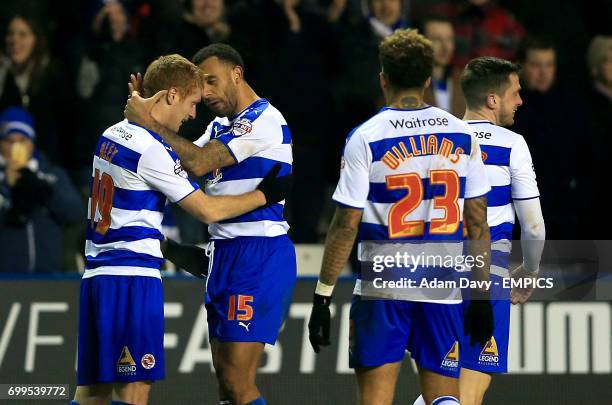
[{"x": 64, "y": 68}]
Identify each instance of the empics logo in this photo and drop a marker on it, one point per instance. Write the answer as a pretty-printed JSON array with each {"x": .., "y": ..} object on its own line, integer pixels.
[
  {"x": 126, "y": 364},
  {"x": 489, "y": 354},
  {"x": 451, "y": 360}
]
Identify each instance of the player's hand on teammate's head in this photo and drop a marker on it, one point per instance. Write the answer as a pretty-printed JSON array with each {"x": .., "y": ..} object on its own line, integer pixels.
[
  {"x": 135, "y": 84},
  {"x": 521, "y": 295},
  {"x": 275, "y": 188},
  {"x": 138, "y": 109},
  {"x": 478, "y": 318},
  {"x": 319, "y": 323}
]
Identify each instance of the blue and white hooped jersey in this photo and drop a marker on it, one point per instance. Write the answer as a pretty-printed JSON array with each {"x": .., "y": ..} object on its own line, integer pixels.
[
  {"x": 510, "y": 172},
  {"x": 410, "y": 171},
  {"x": 134, "y": 172},
  {"x": 258, "y": 138}
]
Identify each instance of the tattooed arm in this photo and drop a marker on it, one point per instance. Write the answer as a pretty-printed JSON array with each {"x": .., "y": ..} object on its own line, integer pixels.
[
  {"x": 339, "y": 243},
  {"x": 475, "y": 216},
  {"x": 196, "y": 160}
]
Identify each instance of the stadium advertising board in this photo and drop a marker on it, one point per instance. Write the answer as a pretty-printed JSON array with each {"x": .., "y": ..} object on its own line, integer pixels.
[{"x": 560, "y": 351}]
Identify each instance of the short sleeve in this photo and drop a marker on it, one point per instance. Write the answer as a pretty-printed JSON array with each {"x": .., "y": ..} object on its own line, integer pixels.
[
  {"x": 246, "y": 138},
  {"x": 161, "y": 169},
  {"x": 354, "y": 184},
  {"x": 524, "y": 185},
  {"x": 476, "y": 182},
  {"x": 205, "y": 138}
]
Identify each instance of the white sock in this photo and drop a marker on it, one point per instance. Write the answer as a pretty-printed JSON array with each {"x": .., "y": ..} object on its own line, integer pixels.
[
  {"x": 445, "y": 400},
  {"x": 419, "y": 401}
]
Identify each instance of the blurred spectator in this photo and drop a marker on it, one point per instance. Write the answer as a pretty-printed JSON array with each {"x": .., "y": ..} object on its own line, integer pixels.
[
  {"x": 595, "y": 165},
  {"x": 552, "y": 120},
  {"x": 445, "y": 89},
  {"x": 599, "y": 58},
  {"x": 107, "y": 57},
  {"x": 358, "y": 63},
  {"x": 203, "y": 23},
  {"x": 484, "y": 28},
  {"x": 385, "y": 16},
  {"x": 36, "y": 200},
  {"x": 42, "y": 86},
  {"x": 331, "y": 11},
  {"x": 328, "y": 52},
  {"x": 9, "y": 93},
  {"x": 307, "y": 64},
  {"x": 539, "y": 59}
]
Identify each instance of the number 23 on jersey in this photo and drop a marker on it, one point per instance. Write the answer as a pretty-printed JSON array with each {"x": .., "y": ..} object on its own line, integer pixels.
[{"x": 399, "y": 227}]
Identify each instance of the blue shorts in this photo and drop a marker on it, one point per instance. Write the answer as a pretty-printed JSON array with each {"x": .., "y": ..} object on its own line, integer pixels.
[
  {"x": 121, "y": 330},
  {"x": 493, "y": 356},
  {"x": 382, "y": 330},
  {"x": 249, "y": 288}
]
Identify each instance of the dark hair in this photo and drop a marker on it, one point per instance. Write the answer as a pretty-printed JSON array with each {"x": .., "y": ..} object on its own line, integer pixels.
[
  {"x": 224, "y": 52},
  {"x": 406, "y": 58},
  {"x": 39, "y": 58},
  {"x": 486, "y": 75},
  {"x": 532, "y": 42}
]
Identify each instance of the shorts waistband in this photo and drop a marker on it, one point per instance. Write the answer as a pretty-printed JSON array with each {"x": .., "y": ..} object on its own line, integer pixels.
[{"x": 249, "y": 239}]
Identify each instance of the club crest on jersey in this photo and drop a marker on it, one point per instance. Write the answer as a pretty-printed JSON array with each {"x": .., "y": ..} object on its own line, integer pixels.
[
  {"x": 241, "y": 127},
  {"x": 126, "y": 364},
  {"x": 451, "y": 360},
  {"x": 489, "y": 355},
  {"x": 484, "y": 156},
  {"x": 148, "y": 361},
  {"x": 178, "y": 169}
]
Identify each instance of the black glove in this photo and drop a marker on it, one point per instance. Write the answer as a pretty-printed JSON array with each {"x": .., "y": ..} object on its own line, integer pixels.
[
  {"x": 478, "y": 318},
  {"x": 29, "y": 192},
  {"x": 320, "y": 319},
  {"x": 190, "y": 258},
  {"x": 275, "y": 188}
]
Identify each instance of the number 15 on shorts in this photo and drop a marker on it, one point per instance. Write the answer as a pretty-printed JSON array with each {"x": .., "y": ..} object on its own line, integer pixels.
[{"x": 241, "y": 312}]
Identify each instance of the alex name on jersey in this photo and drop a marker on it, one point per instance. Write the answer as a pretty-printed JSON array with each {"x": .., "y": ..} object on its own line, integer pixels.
[
  {"x": 134, "y": 172},
  {"x": 258, "y": 137}
]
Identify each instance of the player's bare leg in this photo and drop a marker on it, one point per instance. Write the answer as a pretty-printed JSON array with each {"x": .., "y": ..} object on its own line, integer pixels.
[
  {"x": 472, "y": 386},
  {"x": 236, "y": 367},
  {"x": 377, "y": 384},
  {"x": 434, "y": 385},
  {"x": 96, "y": 394},
  {"x": 214, "y": 346}
]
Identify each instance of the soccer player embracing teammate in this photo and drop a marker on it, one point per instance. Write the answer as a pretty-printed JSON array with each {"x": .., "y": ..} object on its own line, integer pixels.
[{"x": 121, "y": 313}]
